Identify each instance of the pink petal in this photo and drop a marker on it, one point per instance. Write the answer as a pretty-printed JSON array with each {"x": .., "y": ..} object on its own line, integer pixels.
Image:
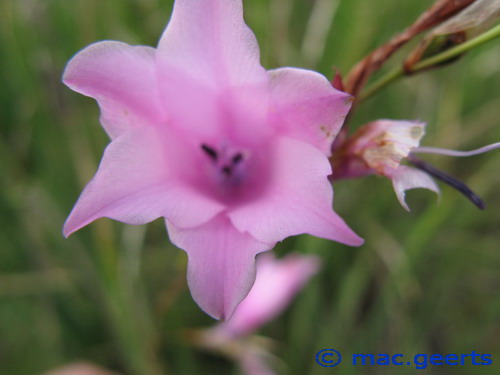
[
  {"x": 305, "y": 106},
  {"x": 407, "y": 178},
  {"x": 209, "y": 40},
  {"x": 298, "y": 199},
  {"x": 277, "y": 282},
  {"x": 135, "y": 185},
  {"x": 211, "y": 80},
  {"x": 221, "y": 268},
  {"x": 122, "y": 79}
]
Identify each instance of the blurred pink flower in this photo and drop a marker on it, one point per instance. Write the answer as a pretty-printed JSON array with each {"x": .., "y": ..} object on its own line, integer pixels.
[
  {"x": 277, "y": 283},
  {"x": 233, "y": 157}
]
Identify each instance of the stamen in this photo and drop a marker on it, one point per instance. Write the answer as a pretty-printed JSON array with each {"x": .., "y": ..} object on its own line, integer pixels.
[
  {"x": 237, "y": 158},
  {"x": 446, "y": 178},
  {"x": 443, "y": 151},
  {"x": 210, "y": 152}
]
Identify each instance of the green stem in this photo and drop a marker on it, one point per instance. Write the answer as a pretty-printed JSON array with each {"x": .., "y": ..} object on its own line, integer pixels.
[
  {"x": 127, "y": 323},
  {"x": 376, "y": 86},
  {"x": 137, "y": 353},
  {"x": 399, "y": 72}
]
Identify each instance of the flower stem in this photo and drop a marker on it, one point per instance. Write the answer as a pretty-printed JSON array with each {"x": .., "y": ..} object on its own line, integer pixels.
[
  {"x": 399, "y": 72},
  {"x": 388, "y": 78}
]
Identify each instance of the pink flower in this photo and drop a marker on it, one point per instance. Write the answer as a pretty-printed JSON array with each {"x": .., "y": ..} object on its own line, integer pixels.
[
  {"x": 233, "y": 157},
  {"x": 379, "y": 147},
  {"x": 276, "y": 284}
]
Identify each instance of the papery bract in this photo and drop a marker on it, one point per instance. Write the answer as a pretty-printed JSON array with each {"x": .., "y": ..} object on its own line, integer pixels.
[{"x": 233, "y": 157}]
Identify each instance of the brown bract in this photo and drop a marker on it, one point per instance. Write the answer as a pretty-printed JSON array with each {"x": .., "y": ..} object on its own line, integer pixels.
[
  {"x": 467, "y": 24},
  {"x": 441, "y": 11}
]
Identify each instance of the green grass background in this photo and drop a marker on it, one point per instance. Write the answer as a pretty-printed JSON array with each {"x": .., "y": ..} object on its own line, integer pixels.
[{"x": 425, "y": 282}]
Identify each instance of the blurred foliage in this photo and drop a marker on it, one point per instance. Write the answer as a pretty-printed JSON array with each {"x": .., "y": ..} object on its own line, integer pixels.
[{"x": 425, "y": 282}]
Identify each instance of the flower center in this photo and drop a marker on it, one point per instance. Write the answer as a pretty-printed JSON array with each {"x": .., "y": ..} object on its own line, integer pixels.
[
  {"x": 233, "y": 175},
  {"x": 228, "y": 164}
]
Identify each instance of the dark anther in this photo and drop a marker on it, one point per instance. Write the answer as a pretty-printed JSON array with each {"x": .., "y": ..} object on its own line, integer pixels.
[
  {"x": 209, "y": 151},
  {"x": 237, "y": 158},
  {"x": 446, "y": 178},
  {"x": 227, "y": 170}
]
